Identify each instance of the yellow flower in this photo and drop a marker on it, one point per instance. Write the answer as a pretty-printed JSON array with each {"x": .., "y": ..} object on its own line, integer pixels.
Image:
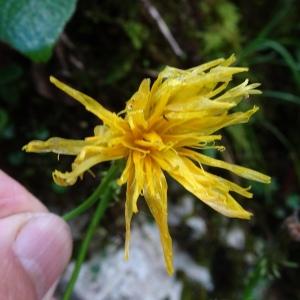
[{"x": 162, "y": 129}]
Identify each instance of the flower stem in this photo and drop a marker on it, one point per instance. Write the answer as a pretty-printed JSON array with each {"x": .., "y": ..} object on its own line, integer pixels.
[
  {"x": 105, "y": 196},
  {"x": 82, "y": 208}
]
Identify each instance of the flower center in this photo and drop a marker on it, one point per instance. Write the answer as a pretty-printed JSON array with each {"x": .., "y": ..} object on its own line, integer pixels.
[{"x": 148, "y": 141}]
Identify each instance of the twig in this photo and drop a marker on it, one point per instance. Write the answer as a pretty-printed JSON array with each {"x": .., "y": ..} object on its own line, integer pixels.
[{"x": 154, "y": 13}]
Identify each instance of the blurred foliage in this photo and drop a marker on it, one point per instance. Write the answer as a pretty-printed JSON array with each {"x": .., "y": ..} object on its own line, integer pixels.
[
  {"x": 105, "y": 50},
  {"x": 33, "y": 26},
  {"x": 221, "y": 22}
]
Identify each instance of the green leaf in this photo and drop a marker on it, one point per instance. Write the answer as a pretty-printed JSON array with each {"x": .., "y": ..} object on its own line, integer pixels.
[
  {"x": 283, "y": 9},
  {"x": 286, "y": 56},
  {"x": 33, "y": 26},
  {"x": 282, "y": 96}
]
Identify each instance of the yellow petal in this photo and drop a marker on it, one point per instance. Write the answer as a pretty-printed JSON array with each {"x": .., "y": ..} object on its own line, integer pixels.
[
  {"x": 139, "y": 100},
  {"x": 186, "y": 140},
  {"x": 192, "y": 84},
  {"x": 211, "y": 191},
  {"x": 89, "y": 157},
  {"x": 171, "y": 72},
  {"x": 128, "y": 176},
  {"x": 239, "y": 170},
  {"x": 133, "y": 191},
  {"x": 175, "y": 86},
  {"x": 70, "y": 178},
  {"x": 229, "y": 120},
  {"x": 129, "y": 211},
  {"x": 159, "y": 102},
  {"x": 155, "y": 193},
  {"x": 214, "y": 63},
  {"x": 208, "y": 124},
  {"x": 126, "y": 172},
  {"x": 91, "y": 105},
  {"x": 236, "y": 94},
  {"x": 233, "y": 187},
  {"x": 56, "y": 145},
  {"x": 199, "y": 103},
  {"x": 111, "y": 153},
  {"x": 139, "y": 173},
  {"x": 136, "y": 106}
]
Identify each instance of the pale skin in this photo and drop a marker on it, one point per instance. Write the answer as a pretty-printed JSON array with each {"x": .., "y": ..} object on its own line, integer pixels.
[{"x": 35, "y": 245}]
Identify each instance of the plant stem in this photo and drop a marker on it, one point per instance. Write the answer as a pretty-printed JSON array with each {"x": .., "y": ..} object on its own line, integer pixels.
[
  {"x": 105, "y": 196},
  {"x": 79, "y": 210}
]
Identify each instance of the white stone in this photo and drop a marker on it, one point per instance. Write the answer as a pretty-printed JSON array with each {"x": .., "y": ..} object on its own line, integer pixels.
[{"x": 108, "y": 276}]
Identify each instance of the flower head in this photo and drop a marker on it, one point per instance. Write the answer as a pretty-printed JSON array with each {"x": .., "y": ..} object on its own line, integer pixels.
[{"x": 162, "y": 130}]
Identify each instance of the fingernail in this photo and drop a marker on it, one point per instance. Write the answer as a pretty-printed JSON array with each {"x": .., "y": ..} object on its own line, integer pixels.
[
  {"x": 43, "y": 247},
  {"x": 50, "y": 292}
]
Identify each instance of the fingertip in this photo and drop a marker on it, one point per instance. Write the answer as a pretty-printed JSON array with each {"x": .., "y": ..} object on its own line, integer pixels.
[
  {"x": 14, "y": 198},
  {"x": 43, "y": 246}
]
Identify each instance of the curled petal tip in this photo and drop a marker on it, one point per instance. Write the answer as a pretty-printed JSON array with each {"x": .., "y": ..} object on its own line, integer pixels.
[
  {"x": 25, "y": 148},
  {"x": 241, "y": 69},
  {"x": 233, "y": 56},
  {"x": 267, "y": 179},
  {"x": 55, "y": 81},
  {"x": 52, "y": 79},
  {"x": 63, "y": 179},
  {"x": 119, "y": 182},
  {"x": 32, "y": 146},
  {"x": 249, "y": 216},
  {"x": 246, "y": 215},
  {"x": 170, "y": 271},
  {"x": 255, "y": 109}
]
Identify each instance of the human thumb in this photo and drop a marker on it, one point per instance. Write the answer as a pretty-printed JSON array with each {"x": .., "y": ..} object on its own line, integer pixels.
[{"x": 34, "y": 250}]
